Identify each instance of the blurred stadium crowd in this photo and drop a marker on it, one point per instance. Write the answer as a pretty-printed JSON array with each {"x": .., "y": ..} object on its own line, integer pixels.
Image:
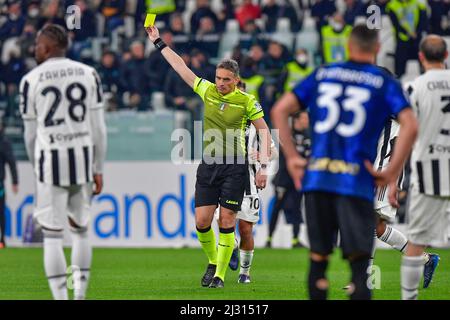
[{"x": 263, "y": 36}]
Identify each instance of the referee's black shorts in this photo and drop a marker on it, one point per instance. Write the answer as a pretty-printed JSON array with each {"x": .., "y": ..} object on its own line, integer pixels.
[
  {"x": 354, "y": 217},
  {"x": 222, "y": 184}
]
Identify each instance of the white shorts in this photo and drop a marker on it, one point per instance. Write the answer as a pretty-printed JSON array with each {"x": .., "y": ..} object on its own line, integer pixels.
[
  {"x": 55, "y": 204},
  {"x": 382, "y": 206},
  {"x": 427, "y": 218},
  {"x": 250, "y": 209}
]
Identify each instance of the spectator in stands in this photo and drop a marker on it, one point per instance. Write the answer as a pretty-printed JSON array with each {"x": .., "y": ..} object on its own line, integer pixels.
[
  {"x": 252, "y": 79},
  {"x": 15, "y": 22},
  {"x": 87, "y": 30},
  {"x": 439, "y": 16},
  {"x": 207, "y": 39},
  {"x": 227, "y": 13},
  {"x": 27, "y": 40},
  {"x": 110, "y": 75},
  {"x": 272, "y": 11},
  {"x": 353, "y": 9},
  {"x": 180, "y": 37},
  {"x": 247, "y": 11},
  {"x": 257, "y": 54},
  {"x": 113, "y": 11},
  {"x": 251, "y": 34},
  {"x": 271, "y": 67},
  {"x": 409, "y": 19},
  {"x": 179, "y": 96},
  {"x": 203, "y": 10},
  {"x": 33, "y": 13},
  {"x": 297, "y": 70},
  {"x": 134, "y": 78},
  {"x": 237, "y": 55},
  {"x": 334, "y": 39},
  {"x": 156, "y": 66},
  {"x": 381, "y": 4},
  {"x": 201, "y": 66},
  {"x": 51, "y": 13},
  {"x": 321, "y": 10}
]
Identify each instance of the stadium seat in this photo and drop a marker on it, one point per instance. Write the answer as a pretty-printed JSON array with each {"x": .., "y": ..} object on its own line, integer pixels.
[
  {"x": 308, "y": 40},
  {"x": 232, "y": 25},
  {"x": 283, "y": 25},
  {"x": 157, "y": 101},
  {"x": 309, "y": 23},
  {"x": 261, "y": 23},
  {"x": 230, "y": 39}
]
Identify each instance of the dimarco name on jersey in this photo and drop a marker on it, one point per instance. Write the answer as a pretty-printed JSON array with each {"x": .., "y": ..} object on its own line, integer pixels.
[{"x": 60, "y": 73}]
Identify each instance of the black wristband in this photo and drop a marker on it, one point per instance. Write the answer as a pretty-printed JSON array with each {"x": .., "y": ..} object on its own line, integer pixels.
[{"x": 159, "y": 44}]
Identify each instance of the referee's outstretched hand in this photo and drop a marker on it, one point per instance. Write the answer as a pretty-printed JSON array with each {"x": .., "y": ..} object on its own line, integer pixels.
[
  {"x": 153, "y": 33},
  {"x": 296, "y": 167}
]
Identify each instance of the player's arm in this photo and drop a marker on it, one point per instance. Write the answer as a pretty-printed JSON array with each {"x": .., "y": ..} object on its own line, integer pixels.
[
  {"x": 99, "y": 135},
  {"x": 29, "y": 116},
  {"x": 172, "y": 58},
  {"x": 408, "y": 132},
  {"x": 264, "y": 152},
  {"x": 286, "y": 106}
]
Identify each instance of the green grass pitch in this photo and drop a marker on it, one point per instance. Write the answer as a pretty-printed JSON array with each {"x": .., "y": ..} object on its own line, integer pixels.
[{"x": 174, "y": 274}]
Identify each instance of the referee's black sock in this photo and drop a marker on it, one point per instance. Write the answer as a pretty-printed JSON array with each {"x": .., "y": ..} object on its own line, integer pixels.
[
  {"x": 359, "y": 279},
  {"x": 317, "y": 283}
]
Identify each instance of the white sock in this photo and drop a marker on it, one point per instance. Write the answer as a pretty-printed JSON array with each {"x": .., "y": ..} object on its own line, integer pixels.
[
  {"x": 411, "y": 273},
  {"x": 372, "y": 256},
  {"x": 246, "y": 258},
  {"x": 395, "y": 239},
  {"x": 81, "y": 262},
  {"x": 55, "y": 266}
]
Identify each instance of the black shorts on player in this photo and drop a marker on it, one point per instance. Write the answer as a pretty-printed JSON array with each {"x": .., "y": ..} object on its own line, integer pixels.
[
  {"x": 222, "y": 184},
  {"x": 326, "y": 213}
]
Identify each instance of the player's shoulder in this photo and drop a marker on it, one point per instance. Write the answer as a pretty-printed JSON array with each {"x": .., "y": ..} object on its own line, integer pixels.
[
  {"x": 77, "y": 64},
  {"x": 244, "y": 95}
]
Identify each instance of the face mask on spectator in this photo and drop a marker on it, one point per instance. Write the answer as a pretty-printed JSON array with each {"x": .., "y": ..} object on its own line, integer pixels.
[
  {"x": 33, "y": 13},
  {"x": 302, "y": 60},
  {"x": 337, "y": 26},
  {"x": 13, "y": 16}
]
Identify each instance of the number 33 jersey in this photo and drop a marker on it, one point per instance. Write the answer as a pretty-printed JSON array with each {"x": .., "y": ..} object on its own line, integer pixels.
[
  {"x": 59, "y": 95},
  {"x": 348, "y": 104}
]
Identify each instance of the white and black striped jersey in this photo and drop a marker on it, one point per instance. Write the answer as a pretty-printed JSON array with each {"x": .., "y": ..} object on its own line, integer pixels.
[
  {"x": 59, "y": 95},
  {"x": 430, "y": 159},
  {"x": 385, "y": 147}
]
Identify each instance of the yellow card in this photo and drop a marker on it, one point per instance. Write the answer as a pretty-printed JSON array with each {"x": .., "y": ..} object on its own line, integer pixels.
[{"x": 149, "y": 20}]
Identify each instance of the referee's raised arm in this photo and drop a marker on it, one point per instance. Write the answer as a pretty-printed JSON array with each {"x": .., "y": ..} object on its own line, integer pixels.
[{"x": 171, "y": 56}]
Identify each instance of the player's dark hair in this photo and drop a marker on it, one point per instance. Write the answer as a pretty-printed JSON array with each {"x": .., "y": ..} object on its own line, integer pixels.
[
  {"x": 58, "y": 34},
  {"x": 434, "y": 48},
  {"x": 230, "y": 65},
  {"x": 366, "y": 39}
]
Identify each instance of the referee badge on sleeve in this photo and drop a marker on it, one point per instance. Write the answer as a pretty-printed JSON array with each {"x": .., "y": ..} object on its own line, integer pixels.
[{"x": 258, "y": 106}]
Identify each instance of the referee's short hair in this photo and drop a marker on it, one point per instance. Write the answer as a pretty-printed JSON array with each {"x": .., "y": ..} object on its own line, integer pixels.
[
  {"x": 366, "y": 39},
  {"x": 229, "y": 64},
  {"x": 434, "y": 48},
  {"x": 57, "y": 34}
]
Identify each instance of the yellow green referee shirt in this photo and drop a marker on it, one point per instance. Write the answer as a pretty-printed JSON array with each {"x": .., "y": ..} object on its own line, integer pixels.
[{"x": 225, "y": 118}]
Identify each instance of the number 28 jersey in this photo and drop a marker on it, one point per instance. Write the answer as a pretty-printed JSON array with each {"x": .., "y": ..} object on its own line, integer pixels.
[
  {"x": 59, "y": 95},
  {"x": 349, "y": 104}
]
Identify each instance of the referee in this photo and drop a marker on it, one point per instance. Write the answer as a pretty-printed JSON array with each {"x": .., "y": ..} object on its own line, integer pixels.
[{"x": 221, "y": 176}]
